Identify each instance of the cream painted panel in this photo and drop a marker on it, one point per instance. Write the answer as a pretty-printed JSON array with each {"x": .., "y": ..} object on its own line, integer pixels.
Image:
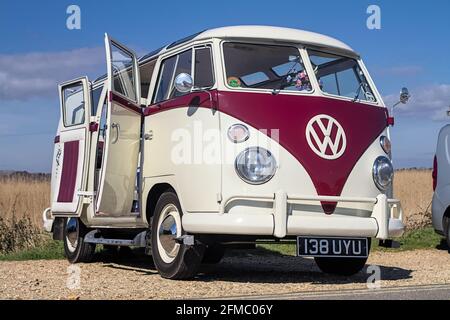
[
  {"x": 118, "y": 176},
  {"x": 290, "y": 177},
  {"x": 56, "y": 172},
  {"x": 182, "y": 140},
  {"x": 360, "y": 182}
]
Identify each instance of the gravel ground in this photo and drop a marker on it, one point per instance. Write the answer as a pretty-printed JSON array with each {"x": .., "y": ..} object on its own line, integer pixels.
[{"x": 246, "y": 273}]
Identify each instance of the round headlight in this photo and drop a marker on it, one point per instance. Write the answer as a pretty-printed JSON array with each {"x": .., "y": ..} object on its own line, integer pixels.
[
  {"x": 385, "y": 144},
  {"x": 255, "y": 165},
  {"x": 383, "y": 171}
]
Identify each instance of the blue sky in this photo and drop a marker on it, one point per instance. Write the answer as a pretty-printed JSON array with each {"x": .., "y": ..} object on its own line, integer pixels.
[{"x": 37, "y": 51}]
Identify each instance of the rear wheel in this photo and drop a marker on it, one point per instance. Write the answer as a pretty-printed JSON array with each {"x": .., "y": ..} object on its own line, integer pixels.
[
  {"x": 341, "y": 266},
  {"x": 173, "y": 260},
  {"x": 76, "y": 250}
]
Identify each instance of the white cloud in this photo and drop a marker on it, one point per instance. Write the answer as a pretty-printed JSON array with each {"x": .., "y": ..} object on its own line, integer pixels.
[
  {"x": 399, "y": 71},
  {"x": 430, "y": 102},
  {"x": 36, "y": 75}
]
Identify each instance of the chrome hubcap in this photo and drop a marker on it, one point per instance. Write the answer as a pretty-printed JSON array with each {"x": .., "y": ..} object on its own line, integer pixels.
[
  {"x": 72, "y": 234},
  {"x": 169, "y": 229}
]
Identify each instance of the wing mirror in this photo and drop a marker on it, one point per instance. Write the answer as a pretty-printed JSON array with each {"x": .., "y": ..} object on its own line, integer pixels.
[
  {"x": 404, "y": 97},
  {"x": 185, "y": 84}
]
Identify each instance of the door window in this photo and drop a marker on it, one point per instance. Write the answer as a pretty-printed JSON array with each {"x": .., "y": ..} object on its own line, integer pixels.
[
  {"x": 165, "y": 78},
  {"x": 122, "y": 63},
  {"x": 203, "y": 72},
  {"x": 73, "y": 102},
  {"x": 182, "y": 63}
]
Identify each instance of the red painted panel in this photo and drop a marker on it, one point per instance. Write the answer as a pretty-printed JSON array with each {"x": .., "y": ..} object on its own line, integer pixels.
[
  {"x": 93, "y": 127},
  {"x": 290, "y": 114},
  {"x": 69, "y": 171}
]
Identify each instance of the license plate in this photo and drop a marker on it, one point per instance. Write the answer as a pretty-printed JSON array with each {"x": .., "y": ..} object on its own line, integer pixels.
[{"x": 332, "y": 247}]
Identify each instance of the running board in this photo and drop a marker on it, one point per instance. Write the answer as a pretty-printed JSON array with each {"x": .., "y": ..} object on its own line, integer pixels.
[{"x": 138, "y": 241}]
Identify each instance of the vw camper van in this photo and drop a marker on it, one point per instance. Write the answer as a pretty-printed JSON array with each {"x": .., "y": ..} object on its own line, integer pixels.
[{"x": 236, "y": 135}]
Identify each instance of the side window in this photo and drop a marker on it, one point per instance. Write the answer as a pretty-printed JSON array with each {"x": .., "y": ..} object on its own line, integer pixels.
[
  {"x": 146, "y": 72},
  {"x": 203, "y": 71},
  {"x": 96, "y": 93},
  {"x": 73, "y": 97}
]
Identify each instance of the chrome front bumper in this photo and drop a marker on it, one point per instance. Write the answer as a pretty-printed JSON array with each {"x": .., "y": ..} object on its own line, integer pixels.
[
  {"x": 386, "y": 220},
  {"x": 47, "y": 220}
]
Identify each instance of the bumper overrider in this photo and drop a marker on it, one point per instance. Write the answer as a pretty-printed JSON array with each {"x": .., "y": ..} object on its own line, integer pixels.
[{"x": 385, "y": 221}]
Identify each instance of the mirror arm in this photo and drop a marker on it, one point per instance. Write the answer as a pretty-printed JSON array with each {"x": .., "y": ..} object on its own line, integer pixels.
[
  {"x": 213, "y": 106},
  {"x": 395, "y": 105}
]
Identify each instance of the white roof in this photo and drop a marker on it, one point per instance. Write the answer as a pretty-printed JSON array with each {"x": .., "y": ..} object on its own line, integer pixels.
[{"x": 276, "y": 33}]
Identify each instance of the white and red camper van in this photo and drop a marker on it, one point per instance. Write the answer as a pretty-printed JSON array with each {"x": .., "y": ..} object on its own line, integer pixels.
[{"x": 234, "y": 135}]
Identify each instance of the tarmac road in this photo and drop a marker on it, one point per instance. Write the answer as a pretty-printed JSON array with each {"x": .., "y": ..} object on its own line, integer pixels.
[{"x": 425, "y": 292}]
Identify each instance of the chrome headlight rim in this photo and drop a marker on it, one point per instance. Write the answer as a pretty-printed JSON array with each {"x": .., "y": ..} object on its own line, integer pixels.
[
  {"x": 243, "y": 177},
  {"x": 375, "y": 172},
  {"x": 244, "y": 138}
]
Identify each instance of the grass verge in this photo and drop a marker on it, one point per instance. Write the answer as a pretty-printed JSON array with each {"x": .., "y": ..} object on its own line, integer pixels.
[
  {"x": 49, "y": 250},
  {"x": 424, "y": 238}
]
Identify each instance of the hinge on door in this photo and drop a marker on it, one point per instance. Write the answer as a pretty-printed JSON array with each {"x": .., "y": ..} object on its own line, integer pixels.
[
  {"x": 86, "y": 193},
  {"x": 88, "y": 196},
  {"x": 219, "y": 197}
]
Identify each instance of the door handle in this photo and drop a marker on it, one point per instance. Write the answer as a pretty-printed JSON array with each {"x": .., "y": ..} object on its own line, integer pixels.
[
  {"x": 117, "y": 127},
  {"x": 149, "y": 135}
]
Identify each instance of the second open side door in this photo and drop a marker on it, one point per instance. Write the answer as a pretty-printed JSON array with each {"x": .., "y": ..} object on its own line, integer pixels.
[{"x": 117, "y": 187}]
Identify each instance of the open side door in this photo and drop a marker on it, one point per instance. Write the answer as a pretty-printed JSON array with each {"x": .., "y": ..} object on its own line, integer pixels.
[
  {"x": 117, "y": 187},
  {"x": 69, "y": 173}
]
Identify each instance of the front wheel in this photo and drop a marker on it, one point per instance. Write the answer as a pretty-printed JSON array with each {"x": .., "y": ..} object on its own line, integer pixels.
[
  {"x": 75, "y": 249},
  {"x": 341, "y": 266},
  {"x": 173, "y": 260}
]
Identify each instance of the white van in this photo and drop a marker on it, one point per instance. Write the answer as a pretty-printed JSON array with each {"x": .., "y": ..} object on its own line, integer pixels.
[
  {"x": 441, "y": 185},
  {"x": 234, "y": 135}
]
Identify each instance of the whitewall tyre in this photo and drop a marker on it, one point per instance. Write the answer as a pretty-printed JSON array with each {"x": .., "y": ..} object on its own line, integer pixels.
[
  {"x": 173, "y": 260},
  {"x": 75, "y": 249}
]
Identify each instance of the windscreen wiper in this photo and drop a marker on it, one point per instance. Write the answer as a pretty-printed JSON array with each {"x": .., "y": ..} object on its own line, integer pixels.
[{"x": 358, "y": 91}]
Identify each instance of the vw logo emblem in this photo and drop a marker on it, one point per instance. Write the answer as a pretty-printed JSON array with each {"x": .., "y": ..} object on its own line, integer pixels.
[{"x": 326, "y": 137}]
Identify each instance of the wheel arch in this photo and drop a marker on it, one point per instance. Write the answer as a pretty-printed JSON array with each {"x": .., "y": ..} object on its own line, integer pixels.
[
  {"x": 446, "y": 220},
  {"x": 152, "y": 198},
  {"x": 447, "y": 212}
]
